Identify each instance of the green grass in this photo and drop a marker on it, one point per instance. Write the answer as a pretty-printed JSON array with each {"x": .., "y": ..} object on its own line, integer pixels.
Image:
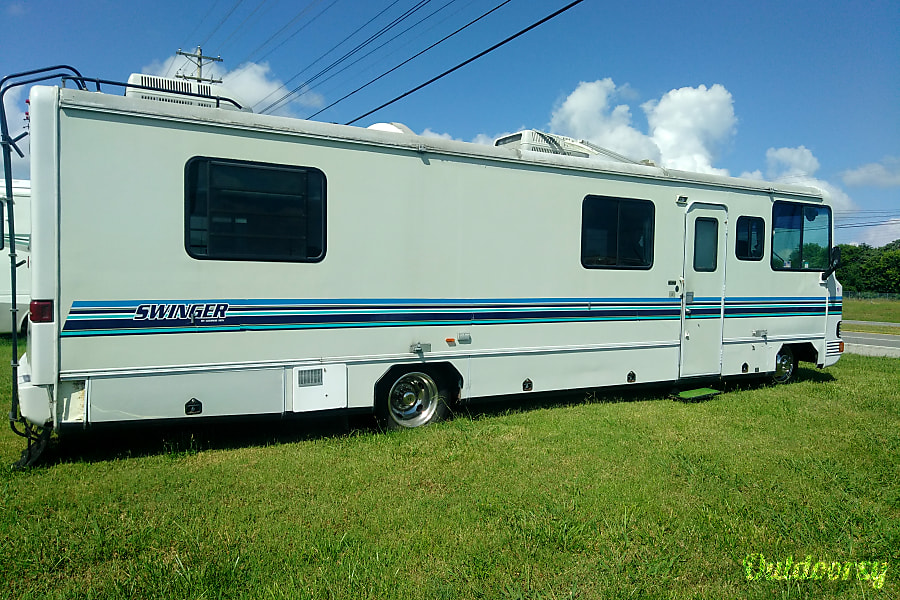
[
  {"x": 584, "y": 496},
  {"x": 886, "y": 329},
  {"x": 887, "y": 311}
]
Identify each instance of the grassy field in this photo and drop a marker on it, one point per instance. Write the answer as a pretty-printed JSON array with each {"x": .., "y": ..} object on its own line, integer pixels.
[
  {"x": 580, "y": 496},
  {"x": 885, "y": 329},
  {"x": 872, "y": 310}
]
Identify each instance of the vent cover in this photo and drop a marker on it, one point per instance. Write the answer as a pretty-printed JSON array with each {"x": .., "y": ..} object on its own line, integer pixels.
[
  {"x": 309, "y": 378},
  {"x": 172, "y": 91}
]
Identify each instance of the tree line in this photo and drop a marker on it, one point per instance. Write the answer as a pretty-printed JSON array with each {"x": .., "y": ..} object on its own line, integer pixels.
[{"x": 867, "y": 269}]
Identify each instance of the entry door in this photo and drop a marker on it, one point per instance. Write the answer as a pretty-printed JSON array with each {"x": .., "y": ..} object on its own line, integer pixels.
[{"x": 702, "y": 300}]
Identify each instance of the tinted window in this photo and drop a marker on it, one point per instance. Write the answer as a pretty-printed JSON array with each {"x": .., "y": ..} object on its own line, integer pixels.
[
  {"x": 751, "y": 233},
  {"x": 706, "y": 244},
  {"x": 801, "y": 236},
  {"x": 254, "y": 211},
  {"x": 616, "y": 233}
]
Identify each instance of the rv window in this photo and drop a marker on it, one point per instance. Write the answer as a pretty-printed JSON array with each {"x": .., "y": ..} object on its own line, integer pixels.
[
  {"x": 751, "y": 233},
  {"x": 616, "y": 233},
  {"x": 801, "y": 236},
  {"x": 706, "y": 244},
  {"x": 254, "y": 211}
]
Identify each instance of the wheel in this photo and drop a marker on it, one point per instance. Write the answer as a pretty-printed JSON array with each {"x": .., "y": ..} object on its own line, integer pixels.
[
  {"x": 785, "y": 365},
  {"x": 414, "y": 399}
]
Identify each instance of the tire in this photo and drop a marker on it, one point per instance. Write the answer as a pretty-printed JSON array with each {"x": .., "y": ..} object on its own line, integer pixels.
[
  {"x": 413, "y": 399},
  {"x": 785, "y": 365}
]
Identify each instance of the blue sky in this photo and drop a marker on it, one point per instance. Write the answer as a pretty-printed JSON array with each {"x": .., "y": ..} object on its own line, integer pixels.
[{"x": 792, "y": 91}]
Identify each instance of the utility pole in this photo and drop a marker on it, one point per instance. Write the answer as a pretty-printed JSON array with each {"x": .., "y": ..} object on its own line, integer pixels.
[{"x": 198, "y": 58}]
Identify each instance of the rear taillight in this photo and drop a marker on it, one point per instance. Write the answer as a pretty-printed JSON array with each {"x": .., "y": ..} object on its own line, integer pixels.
[{"x": 41, "y": 311}]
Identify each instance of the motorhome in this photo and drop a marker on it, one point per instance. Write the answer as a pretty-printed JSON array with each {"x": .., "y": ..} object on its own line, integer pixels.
[
  {"x": 191, "y": 262},
  {"x": 22, "y": 198}
]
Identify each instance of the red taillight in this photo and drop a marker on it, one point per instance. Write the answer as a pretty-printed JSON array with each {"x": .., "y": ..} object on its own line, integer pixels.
[{"x": 41, "y": 311}]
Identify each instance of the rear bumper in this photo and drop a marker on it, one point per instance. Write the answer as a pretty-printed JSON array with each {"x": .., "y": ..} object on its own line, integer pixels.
[
  {"x": 34, "y": 400},
  {"x": 833, "y": 351}
]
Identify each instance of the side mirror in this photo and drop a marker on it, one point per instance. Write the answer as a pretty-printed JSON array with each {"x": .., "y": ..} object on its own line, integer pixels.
[{"x": 834, "y": 263}]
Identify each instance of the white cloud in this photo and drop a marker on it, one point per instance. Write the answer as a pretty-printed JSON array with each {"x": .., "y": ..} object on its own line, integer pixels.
[
  {"x": 799, "y": 165},
  {"x": 251, "y": 83},
  {"x": 687, "y": 128},
  {"x": 14, "y": 105},
  {"x": 15, "y": 9},
  {"x": 590, "y": 112},
  {"x": 482, "y": 138},
  {"x": 881, "y": 174},
  {"x": 787, "y": 163},
  {"x": 433, "y": 134},
  {"x": 486, "y": 140},
  {"x": 688, "y": 125},
  {"x": 882, "y": 234}
]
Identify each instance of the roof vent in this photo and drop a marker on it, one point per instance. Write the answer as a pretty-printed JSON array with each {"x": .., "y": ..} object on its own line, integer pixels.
[
  {"x": 532, "y": 140},
  {"x": 177, "y": 91}
]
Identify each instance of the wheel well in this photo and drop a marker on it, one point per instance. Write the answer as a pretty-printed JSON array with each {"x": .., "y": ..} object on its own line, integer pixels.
[
  {"x": 443, "y": 372},
  {"x": 805, "y": 352}
]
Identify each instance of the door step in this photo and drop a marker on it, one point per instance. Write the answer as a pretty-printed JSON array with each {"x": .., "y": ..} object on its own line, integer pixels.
[{"x": 695, "y": 395}]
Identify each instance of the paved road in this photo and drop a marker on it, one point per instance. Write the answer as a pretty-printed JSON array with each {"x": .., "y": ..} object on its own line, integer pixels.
[
  {"x": 881, "y": 323},
  {"x": 871, "y": 344}
]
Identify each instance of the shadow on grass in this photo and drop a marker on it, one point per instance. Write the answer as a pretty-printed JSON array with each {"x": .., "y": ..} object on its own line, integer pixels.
[
  {"x": 102, "y": 444},
  {"x": 130, "y": 441},
  {"x": 105, "y": 443},
  {"x": 502, "y": 405}
]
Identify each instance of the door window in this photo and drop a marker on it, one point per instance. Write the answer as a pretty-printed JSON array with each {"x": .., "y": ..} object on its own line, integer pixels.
[{"x": 706, "y": 244}]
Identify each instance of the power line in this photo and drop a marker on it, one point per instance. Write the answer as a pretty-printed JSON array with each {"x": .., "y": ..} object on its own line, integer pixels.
[
  {"x": 296, "y": 18},
  {"x": 222, "y": 22},
  {"x": 193, "y": 31},
  {"x": 347, "y": 55},
  {"x": 445, "y": 38},
  {"x": 382, "y": 45},
  {"x": 283, "y": 86},
  {"x": 470, "y": 60},
  {"x": 895, "y": 222},
  {"x": 297, "y": 32},
  {"x": 387, "y": 42},
  {"x": 240, "y": 25}
]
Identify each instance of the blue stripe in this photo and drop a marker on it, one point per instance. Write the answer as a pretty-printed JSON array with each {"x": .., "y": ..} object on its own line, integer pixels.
[{"x": 101, "y": 318}]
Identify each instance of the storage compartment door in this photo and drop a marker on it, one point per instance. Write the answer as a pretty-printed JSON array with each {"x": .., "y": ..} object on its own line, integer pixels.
[{"x": 319, "y": 388}]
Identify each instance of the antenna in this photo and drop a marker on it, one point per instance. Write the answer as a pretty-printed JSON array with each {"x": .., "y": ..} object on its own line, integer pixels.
[{"x": 198, "y": 58}]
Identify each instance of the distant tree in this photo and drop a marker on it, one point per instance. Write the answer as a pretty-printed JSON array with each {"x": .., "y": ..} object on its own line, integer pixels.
[
  {"x": 851, "y": 270},
  {"x": 885, "y": 273},
  {"x": 895, "y": 245},
  {"x": 867, "y": 269}
]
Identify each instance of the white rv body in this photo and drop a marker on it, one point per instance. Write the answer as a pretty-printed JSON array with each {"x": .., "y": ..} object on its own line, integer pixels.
[
  {"x": 462, "y": 261},
  {"x": 22, "y": 199}
]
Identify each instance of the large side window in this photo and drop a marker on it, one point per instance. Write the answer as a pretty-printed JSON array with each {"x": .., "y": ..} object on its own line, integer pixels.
[
  {"x": 750, "y": 242},
  {"x": 616, "y": 233},
  {"x": 254, "y": 211},
  {"x": 801, "y": 236}
]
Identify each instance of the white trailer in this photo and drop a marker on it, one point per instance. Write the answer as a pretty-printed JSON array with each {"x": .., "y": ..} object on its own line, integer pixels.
[
  {"x": 191, "y": 262},
  {"x": 22, "y": 198}
]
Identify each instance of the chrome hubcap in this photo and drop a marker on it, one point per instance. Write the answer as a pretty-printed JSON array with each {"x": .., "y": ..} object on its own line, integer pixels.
[
  {"x": 784, "y": 365},
  {"x": 413, "y": 399}
]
